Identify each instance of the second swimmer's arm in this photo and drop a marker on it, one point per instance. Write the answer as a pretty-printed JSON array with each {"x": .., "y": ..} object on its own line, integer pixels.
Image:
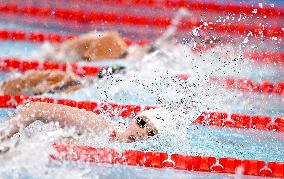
[{"x": 64, "y": 115}]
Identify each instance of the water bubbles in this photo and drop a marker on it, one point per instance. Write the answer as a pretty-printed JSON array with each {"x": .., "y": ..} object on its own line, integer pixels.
[
  {"x": 274, "y": 38},
  {"x": 195, "y": 32},
  {"x": 246, "y": 40}
]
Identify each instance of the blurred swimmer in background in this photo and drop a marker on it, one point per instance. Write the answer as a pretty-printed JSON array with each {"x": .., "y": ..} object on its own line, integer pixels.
[
  {"x": 37, "y": 82},
  {"x": 92, "y": 46},
  {"x": 108, "y": 45}
]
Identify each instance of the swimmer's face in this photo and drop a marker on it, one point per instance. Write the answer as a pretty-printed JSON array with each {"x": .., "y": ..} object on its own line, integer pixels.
[{"x": 139, "y": 129}]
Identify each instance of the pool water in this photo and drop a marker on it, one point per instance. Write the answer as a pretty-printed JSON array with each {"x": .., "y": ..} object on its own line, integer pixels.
[{"x": 144, "y": 84}]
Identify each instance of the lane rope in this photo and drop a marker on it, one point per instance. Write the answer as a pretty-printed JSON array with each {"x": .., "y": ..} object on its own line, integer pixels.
[
  {"x": 270, "y": 12},
  {"x": 164, "y": 160},
  {"x": 83, "y": 17},
  {"x": 248, "y": 85},
  {"x": 10, "y": 64},
  {"x": 245, "y": 85},
  {"x": 218, "y": 119},
  {"x": 40, "y": 37}
]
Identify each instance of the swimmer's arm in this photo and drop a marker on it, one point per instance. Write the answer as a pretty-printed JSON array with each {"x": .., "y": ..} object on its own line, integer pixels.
[{"x": 64, "y": 115}]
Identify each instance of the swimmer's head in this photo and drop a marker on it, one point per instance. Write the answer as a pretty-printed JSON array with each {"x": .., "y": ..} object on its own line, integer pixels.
[{"x": 147, "y": 124}]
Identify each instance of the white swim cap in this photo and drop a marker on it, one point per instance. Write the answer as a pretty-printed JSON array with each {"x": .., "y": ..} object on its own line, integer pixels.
[{"x": 161, "y": 119}]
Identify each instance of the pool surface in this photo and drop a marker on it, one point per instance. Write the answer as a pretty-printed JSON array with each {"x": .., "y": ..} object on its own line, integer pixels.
[{"x": 150, "y": 82}]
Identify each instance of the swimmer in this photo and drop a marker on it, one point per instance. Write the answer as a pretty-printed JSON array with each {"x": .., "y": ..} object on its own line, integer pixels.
[
  {"x": 49, "y": 81},
  {"x": 109, "y": 45},
  {"x": 92, "y": 46},
  {"x": 39, "y": 82},
  {"x": 146, "y": 124}
]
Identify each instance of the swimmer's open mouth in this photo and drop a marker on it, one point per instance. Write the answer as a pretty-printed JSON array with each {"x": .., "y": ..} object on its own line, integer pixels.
[
  {"x": 151, "y": 133},
  {"x": 133, "y": 138}
]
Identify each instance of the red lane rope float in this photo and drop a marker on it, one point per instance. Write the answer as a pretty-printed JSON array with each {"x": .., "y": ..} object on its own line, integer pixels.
[
  {"x": 244, "y": 121},
  {"x": 10, "y": 64},
  {"x": 218, "y": 119},
  {"x": 40, "y": 37},
  {"x": 164, "y": 160},
  {"x": 36, "y": 37},
  {"x": 92, "y": 17},
  {"x": 247, "y": 85},
  {"x": 271, "y": 57},
  {"x": 193, "y": 5},
  {"x": 244, "y": 85}
]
